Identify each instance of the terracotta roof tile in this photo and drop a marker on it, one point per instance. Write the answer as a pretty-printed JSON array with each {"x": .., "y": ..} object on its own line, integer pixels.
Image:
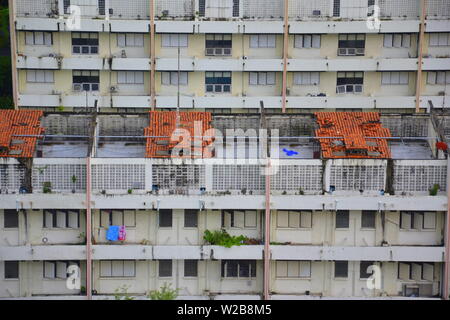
[
  {"x": 351, "y": 131},
  {"x": 19, "y": 122},
  {"x": 163, "y": 125}
]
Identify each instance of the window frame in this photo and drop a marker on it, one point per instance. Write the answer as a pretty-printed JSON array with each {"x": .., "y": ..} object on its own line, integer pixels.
[
  {"x": 299, "y": 78},
  {"x": 219, "y": 79},
  {"x": 219, "y": 45},
  {"x": 364, "y": 213},
  {"x": 160, "y": 268},
  {"x": 10, "y": 212},
  {"x": 392, "y": 75},
  {"x": 190, "y": 213},
  {"x": 45, "y": 35},
  {"x": 299, "y": 267},
  {"x": 45, "y": 74},
  {"x": 165, "y": 211},
  {"x": 123, "y": 276},
  {"x": 363, "y": 265},
  {"x": 262, "y": 78},
  {"x": 174, "y": 40},
  {"x": 263, "y": 41},
  {"x": 125, "y": 42},
  {"x": 110, "y": 218},
  {"x": 301, "y": 39},
  {"x": 194, "y": 262},
  {"x": 6, "y": 276},
  {"x": 133, "y": 75},
  {"x": 87, "y": 37},
  {"x": 338, "y": 264},
  {"x": 337, "y": 219},
  {"x": 173, "y": 79},
  {"x": 252, "y": 266},
  {"x": 54, "y": 215}
]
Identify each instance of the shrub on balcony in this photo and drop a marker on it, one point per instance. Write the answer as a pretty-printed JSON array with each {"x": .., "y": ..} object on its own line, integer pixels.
[
  {"x": 164, "y": 293},
  {"x": 223, "y": 238}
]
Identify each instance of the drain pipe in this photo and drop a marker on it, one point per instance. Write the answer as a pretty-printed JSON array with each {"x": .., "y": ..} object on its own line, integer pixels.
[
  {"x": 88, "y": 230},
  {"x": 13, "y": 37},
  {"x": 152, "y": 55},
  {"x": 420, "y": 57},
  {"x": 285, "y": 53},
  {"x": 267, "y": 235},
  {"x": 447, "y": 237}
]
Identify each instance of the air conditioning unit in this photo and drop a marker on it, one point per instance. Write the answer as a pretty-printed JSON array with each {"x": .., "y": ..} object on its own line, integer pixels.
[
  {"x": 77, "y": 87},
  {"x": 113, "y": 89}
]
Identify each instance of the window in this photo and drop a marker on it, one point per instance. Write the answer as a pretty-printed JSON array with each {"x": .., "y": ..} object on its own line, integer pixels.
[
  {"x": 10, "y": 218},
  {"x": 262, "y": 78},
  {"x": 342, "y": 219},
  {"x": 397, "y": 40},
  {"x": 218, "y": 44},
  {"x": 239, "y": 219},
  {"x": 350, "y": 82},
  {"x": 417, "y": 220},
  {"x": 235, "y": 8},
  {"x": 404, "y": 271},
  {"x": 341, "y": 269},
  {"x": 56, "y": 269},
  {"x": 218, "y": 82},
  {"x": 84, "y": 43},
  {"x": 439, "y": 39},
  {"x": 38, "y": 38},
  {"x": 351, "y": 44},
  {"x": 306, "y": 78},
  {"x": 190, "y": 218},
  {"x": 201, "y": 8},
  {"x": 174, "y": 40},
  {"x": 11, "y": 269},
  {"x": 40, "y": 76},
  {"x": 263, "y": 41},
  {"x": 130, "y": 77},
  {"x": 101, "y": 7},
  {"x": 190, "y": 268},
  {"x": 86, "y": 80},
  {"x": 165, "y": 218},
  {"x": 165, "y": 268},
  {"x": 294, "y": 219},
  {"x": 307, "y": 41},
  {"x": 336, "y": 8},
  {"x": 125, "y": 218},
  {"x": 293, "y": 269},
  {"x": 172, "y": 78},
  {"x": 363, "y": 266},
  {"x": 61, "y": 219},
  {"x": 395, "y": 78},
  {"x": 117, "y": 268},
  {"x": 368, "y": 219},
  {"x": 238, "y": 269},
  {"x": 66, "y": 5},
  {"x": 438, "y": 77},
  {"x": 130, "y": 40}
]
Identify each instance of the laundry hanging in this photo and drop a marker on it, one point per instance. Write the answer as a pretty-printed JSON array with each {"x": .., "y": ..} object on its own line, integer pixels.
[{"x": 113, "y": 233}]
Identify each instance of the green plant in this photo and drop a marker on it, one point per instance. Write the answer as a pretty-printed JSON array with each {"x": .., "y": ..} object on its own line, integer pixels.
[
  {"x": 223, "y": 238},
  {"x": 434, "y": 190},
  {"x": 130, "y": 191},
  {"x": 83, "y": 290},
  {"x": 301, "y": 192},
  {"x": 60, "y": 108},
  {"x": 74, "y": 179},
  {"x": 164, "y": 293},
  {"x": 47, "y": 187},
  {"x": 121, "y": 293}
]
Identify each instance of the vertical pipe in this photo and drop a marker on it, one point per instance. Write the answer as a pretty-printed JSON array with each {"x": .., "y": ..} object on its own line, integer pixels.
[
  {"x": 152, "y": 55},
  {"x": 13, "y": 38},
  {"x": 88, "y": 230},
  {"x": 267, "y": 236},
  {"x": 447, "y": 237},
  {"x": 420, "y": 55},
  {"x": 285, "y": 53}
]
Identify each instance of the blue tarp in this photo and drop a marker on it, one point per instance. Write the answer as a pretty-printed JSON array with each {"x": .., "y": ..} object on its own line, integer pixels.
[{"x": 113, "y": 233}]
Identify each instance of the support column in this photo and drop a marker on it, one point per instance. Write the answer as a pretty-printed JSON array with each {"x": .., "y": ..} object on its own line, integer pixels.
[
  {"x": 420, "y": 54},
  {"x": 267, "y": 235},
  {"x": 447, "y": 237},
  {"x": 13, "y": 37},
  {"x": 152, "y": 56},
  {"x": 88, "y": 231},
  {"x": 285, "y": 53}
]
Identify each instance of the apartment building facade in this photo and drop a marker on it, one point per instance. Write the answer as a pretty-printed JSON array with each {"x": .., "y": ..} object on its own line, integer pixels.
[
  {"x": 227, "y": 56},
  {"x": 316, "y": 225},
  {"x": 326, "y": 220}
]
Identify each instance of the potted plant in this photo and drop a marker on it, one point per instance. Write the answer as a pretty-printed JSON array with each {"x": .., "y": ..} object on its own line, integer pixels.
[
  {"x": 47, "y": 187},
  {"x": 74, "y": 180}
]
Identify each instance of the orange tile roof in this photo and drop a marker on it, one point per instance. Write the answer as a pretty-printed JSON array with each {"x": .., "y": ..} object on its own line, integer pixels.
[
  {"x": 163, "y": 125},
  {"x": 351, "y": 131},
  {"x": 19, "y": 122}
]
